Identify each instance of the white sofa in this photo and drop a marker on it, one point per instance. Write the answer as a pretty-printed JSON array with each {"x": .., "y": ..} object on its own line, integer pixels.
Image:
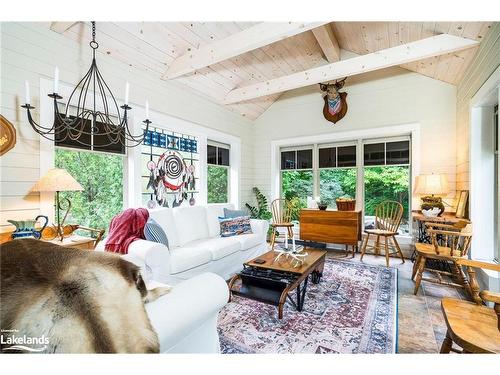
[
  {"x": 195, "y": 244},
  {"x": 185, "y": 319}
]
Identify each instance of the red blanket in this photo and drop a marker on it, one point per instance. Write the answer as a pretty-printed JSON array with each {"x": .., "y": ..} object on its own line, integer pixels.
[{"x": 125, "y": 228}]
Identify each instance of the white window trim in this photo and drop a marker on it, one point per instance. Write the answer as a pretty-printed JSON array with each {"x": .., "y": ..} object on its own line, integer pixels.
[
  {"x": 362, "y": 136},
  {"x": 480, "y": 180}
]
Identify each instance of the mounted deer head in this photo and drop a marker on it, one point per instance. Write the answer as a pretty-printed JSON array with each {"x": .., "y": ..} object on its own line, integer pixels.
[{"x": 335, "y": 106}]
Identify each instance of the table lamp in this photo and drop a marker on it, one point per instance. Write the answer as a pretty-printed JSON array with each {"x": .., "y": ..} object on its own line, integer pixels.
[
  {"x": 57, "y": 180},
  {"x": 430, "y": 185}
]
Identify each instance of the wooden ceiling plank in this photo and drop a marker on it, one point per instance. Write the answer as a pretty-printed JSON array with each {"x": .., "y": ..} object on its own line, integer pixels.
[
  {"x": 61, "y": 27},
  {"x": 327, "y": 42},
  {"x": 247, "y": 40},
  {"x": 406, "y": 53},
  {"x": 393, "y": 31}
]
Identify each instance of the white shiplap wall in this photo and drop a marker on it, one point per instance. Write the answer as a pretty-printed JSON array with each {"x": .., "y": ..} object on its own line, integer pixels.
[
  {"x": 390, "y": 97},
  {"x": 484, "y": 63},
  {"x": 30, "y": 51}
]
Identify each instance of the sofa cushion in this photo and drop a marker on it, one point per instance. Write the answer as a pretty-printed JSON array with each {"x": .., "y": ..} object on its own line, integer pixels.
[
  {"x": 228, "y": 213},
  {"x": 185, "y": 258},
  {"x": 235, "y": 226},
  {"x": 165, "y": 218},
  {"x": 191, "y": 223},
  {"x": 214, "y": 211},
  {"x": 247, "y": 241},
  {"x": 219, "y": 247},
  {"x": 154, "y": 232}
]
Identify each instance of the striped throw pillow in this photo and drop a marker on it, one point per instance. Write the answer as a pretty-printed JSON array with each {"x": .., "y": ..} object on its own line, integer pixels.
[{"x": 154, "y": 232}]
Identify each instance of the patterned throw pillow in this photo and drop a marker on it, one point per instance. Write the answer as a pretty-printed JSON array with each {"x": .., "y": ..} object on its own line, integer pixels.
[
  {"x": 154, "y": 232},
  {"x": 230, "y": 214},
  {"x": 235, "y": 226}
]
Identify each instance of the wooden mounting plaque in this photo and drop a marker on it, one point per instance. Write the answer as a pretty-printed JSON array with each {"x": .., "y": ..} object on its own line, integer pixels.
[{"x": 7, "y": 135}]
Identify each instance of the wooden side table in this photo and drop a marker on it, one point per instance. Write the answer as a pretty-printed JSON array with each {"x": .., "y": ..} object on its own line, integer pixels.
[
  {"x": 331, "y": 226},
  {"x": 423, "y": 237},
  {"x": 420, "y": 219},
  {"x": 75, "y": 241}
]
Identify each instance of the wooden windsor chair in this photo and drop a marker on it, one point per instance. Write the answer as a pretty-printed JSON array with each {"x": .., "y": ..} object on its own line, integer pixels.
[
  {"x": 388, "y": 216},
  {"x": 281, "y": 218},
  {"x": 448, "y": 243},
  {"x": 471, "y": 325}
]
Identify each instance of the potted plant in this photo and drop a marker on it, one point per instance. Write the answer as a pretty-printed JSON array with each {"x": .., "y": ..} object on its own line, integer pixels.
[{"x": 260, "y": 211}]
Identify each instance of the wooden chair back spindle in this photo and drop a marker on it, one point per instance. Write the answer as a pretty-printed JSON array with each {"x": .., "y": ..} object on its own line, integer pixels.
[
  {"x": 388, "y": 216},
  {"x": 457, "y": 238},
  {"x": 281, "y": 211}
]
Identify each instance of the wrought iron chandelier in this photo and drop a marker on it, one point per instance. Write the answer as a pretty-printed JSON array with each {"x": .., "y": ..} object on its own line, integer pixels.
[{"x": 94, "y": 102}]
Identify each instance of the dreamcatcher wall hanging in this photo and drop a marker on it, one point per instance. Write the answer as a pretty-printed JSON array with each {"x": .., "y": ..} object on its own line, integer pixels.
[{"x": 171, "y": 174}]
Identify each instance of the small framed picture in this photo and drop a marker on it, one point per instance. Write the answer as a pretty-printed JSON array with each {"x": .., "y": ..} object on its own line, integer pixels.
[{"x": 462, "y": 203}]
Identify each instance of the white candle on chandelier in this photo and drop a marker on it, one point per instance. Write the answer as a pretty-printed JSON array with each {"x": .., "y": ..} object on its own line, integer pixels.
[
  {"x": 147, "y": 110},
  {"x": 56, "y": 80},
  {"x": 27, "y": 93},
  {"x": 127, "y": 89}
]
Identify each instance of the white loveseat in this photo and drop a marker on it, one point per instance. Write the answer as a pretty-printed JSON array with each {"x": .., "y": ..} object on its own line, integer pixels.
[{"x": 195, "y": 244}]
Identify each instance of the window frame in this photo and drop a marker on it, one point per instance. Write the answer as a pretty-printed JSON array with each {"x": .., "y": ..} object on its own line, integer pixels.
[
  {"x": 218, "y": 145},
  {"x": 496, "y": 212}
]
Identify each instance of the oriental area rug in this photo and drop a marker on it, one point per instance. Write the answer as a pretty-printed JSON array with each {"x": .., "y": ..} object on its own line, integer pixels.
[{"x": 352, "y": 310}]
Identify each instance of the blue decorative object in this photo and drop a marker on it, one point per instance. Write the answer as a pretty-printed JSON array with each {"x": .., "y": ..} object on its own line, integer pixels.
[
  {"x": 26, "y": 228},
  {"x": 172, "y": 142},
  {"x": 163, "y": 140},
  {"x": 147, "y": 137},
  {"x": 155, "y": 139}
]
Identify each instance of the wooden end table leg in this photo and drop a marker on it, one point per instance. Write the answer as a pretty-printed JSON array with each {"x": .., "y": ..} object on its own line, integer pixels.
[{"x": 447, "y": 344}]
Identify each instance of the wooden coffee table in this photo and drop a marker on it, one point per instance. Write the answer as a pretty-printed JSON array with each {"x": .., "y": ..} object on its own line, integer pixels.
[{"x": 273, "y": 281}]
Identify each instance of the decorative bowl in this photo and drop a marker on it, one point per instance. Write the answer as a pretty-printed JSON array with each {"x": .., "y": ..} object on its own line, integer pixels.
[{"x": 322, "y": 207}]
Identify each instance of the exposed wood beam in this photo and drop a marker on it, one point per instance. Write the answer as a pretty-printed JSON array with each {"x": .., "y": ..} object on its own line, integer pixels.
[
  {"x": 246, "y": 40},
  {"x": 414, "y": 51},
  {"x": 327, "y": 42},
  {"x": 60, "y": 27}
]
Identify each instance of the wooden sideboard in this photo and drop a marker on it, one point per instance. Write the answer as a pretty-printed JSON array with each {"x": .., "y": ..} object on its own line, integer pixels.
[{"x": 331, "y": 226}]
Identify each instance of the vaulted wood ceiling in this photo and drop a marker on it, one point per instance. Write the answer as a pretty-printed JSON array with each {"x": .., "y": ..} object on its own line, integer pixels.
[{"x": 153, "y": 46}]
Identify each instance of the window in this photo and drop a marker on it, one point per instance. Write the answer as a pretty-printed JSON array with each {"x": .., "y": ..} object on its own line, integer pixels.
[
  {"x": 337, "y": 173},
  {"x": 496, "y": 241},
  {"x": 297, "y": 177},
  {"x": 101, "y": 176},
  {"x": 381, "y": 172},
  {"x": 217, "y": 173},
  {"x": 387, "y": 177}
]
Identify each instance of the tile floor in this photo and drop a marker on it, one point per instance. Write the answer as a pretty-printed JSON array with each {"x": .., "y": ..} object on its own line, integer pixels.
[{"x": 421, "y": 326}]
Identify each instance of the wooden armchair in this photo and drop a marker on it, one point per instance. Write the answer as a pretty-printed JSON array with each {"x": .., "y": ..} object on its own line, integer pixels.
[
  {"x": 449, "y": 242},
  {"x": 471, "y": 325}
]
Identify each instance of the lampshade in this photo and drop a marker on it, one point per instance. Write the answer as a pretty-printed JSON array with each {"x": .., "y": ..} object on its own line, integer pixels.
[
  {"x": 431, "y": 184},
  {"x": 57, "y": 180}
]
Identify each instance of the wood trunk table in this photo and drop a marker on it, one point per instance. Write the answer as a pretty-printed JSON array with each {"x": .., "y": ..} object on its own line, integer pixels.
[
  {"x": 273, "y": 281},
  {"x": 331, "y": 226}
]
